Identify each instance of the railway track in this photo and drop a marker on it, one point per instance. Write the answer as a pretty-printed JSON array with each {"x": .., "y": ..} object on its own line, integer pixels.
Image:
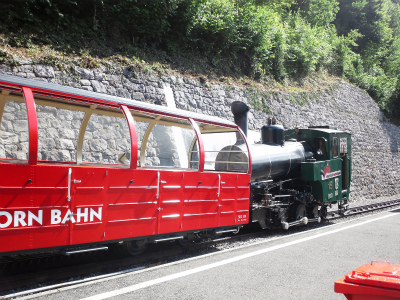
[
  {"x": 41, "y": 273},
  {"x": 352, "y": 211}
]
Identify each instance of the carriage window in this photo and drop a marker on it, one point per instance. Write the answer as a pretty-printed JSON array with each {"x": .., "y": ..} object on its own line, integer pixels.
[
  {"x": 14, "y": 134},
  {"x": 107, "y": 138},
  {"x": 343, "y": 146},
  {"x": 58, "y": 130},
  {"x": 320, "y": 145},
  {"x": 223, "y": 150},
  {"x": 167, "y": 142},
  {"x": 335, "y": 147},
  {"x": 72, "y": 131},
  {"x": 141, "y": 128}
]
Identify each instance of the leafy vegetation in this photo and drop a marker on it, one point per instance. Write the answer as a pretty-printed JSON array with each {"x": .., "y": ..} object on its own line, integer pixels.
[{"x": 283, "y": 41}]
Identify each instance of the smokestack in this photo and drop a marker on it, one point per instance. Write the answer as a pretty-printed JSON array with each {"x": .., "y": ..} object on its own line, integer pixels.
[{"x": 239, "y": 110}]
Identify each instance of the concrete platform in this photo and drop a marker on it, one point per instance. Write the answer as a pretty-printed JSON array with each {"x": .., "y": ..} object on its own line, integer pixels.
[{"x": 300, "y": 266}]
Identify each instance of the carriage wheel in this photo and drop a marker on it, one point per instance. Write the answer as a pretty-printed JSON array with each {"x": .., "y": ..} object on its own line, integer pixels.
[{"x": 135, "y": 247}]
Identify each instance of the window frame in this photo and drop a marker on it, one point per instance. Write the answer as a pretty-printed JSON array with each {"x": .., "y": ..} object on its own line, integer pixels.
[
  {"x": 157, "y": 119},
  {"x": 318, "y": 149},
  {"x": 335, "y": 147},
  {"x": 52, "y": 96}
]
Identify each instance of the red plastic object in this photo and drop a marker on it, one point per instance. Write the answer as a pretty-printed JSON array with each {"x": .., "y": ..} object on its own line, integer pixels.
[{"x": 378, "y": 281}]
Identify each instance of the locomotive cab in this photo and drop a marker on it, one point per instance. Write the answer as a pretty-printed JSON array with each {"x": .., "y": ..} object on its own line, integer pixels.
[{"x": 330, "y": 172}]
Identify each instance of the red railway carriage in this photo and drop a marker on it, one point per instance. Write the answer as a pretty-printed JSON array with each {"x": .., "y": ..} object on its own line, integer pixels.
[{"x": 78, "y": 168}]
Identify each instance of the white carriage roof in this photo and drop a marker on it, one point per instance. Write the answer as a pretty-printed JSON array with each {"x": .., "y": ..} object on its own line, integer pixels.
[{"x": 41, "y": 85}]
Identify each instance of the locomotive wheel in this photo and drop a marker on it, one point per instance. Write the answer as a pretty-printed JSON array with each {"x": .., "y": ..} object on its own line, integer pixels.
[
  {"x": 300, "y": 211},
  {"x": 312, "y": 211},
  {"x": 297, "y": 212},
  {"x": 323, "y": 213},
  {"x": 135, "y": 247}
]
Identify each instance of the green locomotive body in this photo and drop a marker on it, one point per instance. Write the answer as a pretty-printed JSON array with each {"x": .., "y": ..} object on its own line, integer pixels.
[{"x": 329, "y": 172}]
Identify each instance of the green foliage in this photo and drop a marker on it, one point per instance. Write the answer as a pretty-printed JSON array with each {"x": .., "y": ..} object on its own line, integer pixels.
[
  {"x": 374, "y": 55},
  {"x": 309, "y": 47},
  {"x": 266, "y": 40},
  {"x": 141, "y": 21},
  {"x": 317, "y": 12}
]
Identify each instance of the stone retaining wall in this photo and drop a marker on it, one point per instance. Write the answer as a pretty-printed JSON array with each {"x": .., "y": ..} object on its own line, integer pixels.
[{"x": 376, "y": 159}]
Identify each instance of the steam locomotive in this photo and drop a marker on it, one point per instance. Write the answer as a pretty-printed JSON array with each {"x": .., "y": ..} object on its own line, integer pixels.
[
  {"x": 296, "y": 174},
  {"x": 80, "y": 171}
]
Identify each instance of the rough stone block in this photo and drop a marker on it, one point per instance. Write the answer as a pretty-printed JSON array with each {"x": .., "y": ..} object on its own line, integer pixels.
[{"x": 44, "y": 71}]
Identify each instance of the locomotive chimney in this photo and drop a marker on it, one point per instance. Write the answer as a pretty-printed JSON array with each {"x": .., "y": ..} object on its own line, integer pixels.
[{"x": 239, "y": 110}]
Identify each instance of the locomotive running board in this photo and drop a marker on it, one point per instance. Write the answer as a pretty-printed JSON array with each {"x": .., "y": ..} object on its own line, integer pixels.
[{"x": 67, "y": 253}]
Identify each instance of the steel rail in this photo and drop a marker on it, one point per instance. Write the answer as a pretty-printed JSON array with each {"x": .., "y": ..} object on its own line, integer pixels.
[{"x": 352, "y": 211}]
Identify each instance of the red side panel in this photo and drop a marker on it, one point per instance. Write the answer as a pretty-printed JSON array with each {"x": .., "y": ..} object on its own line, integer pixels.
[
  {"x": 200, "y": 207},
  {"x": 227, "y": 200},
  {"x": 131, "y": 203},
  {"x": 111, "y": 204},
  {"x": 243, "y": 199},
  {"x": 170, "y": 201},
  {"x": 234, "y": 199},
  {"x": 30, "y": 197},
  {"x": 88, "y": 199}
]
